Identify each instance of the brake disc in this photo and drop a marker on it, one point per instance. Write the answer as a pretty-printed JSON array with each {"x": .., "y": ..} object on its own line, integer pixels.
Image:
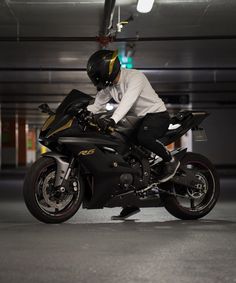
[
  {"x": 201, "y": 188},
  {"x": 58, "y": 203}
]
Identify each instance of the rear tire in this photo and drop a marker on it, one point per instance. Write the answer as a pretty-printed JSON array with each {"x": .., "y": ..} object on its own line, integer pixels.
[
  {"x": 38, "y": 201},
  {"x": 209, "y": 174}
]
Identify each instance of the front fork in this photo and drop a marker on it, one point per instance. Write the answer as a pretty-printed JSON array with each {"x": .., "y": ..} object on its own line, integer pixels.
[{"x": 64, "y": 169}]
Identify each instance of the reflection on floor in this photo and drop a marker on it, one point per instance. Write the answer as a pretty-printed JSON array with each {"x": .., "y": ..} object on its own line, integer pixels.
[{"x": 152, "y": 246}]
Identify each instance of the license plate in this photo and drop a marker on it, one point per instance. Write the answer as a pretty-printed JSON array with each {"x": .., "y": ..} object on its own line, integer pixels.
[{"x": 199, "y": 135}]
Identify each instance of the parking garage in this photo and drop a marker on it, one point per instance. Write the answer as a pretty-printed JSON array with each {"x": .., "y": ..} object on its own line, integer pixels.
[{"x": 186, "y": 49}]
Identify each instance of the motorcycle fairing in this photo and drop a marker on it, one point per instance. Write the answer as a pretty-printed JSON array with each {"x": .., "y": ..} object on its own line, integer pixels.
[
  {"x": 188, "y": 120},
  {"x": 76, "y": 143},
  {"x": 61, "y": 120},
  {"x": 105, "y": 167},
  {"x": 74, "y": 97}
]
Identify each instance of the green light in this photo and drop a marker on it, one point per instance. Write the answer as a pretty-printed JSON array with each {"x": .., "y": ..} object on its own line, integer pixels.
[
  {"x": 129, "y": 60},
  {"x": 126, "y": 62},
  {"x": 129, "y": 66}
]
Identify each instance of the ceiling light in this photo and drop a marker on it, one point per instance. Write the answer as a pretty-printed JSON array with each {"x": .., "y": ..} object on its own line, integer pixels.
[
  {"x": 144, "y": 6},
  {"x": 182, "y": 1},
  {"x": 68, "y": 59}
]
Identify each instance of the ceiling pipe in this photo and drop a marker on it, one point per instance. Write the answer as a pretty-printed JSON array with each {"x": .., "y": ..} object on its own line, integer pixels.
[
  {"x": 108, "y": 13},
  {"x": 53, "y": 69},
  {"x": 113, "y": 39},
  {"x": 48, "y": 39}
]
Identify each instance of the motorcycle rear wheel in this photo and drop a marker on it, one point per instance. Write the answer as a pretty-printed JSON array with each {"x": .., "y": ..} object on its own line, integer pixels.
[
  {"x": 198, "y": 204},
  {"x": 41, "y": 198}
]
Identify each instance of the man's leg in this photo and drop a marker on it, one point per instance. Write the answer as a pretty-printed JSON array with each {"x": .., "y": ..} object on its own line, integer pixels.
[{"x": 153, "y": 127}]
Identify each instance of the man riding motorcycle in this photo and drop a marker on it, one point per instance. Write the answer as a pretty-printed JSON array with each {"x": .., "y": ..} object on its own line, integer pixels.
[{"x": 134, "y": 94}]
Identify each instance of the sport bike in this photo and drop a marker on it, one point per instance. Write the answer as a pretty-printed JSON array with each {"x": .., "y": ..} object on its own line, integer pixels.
[{"x": 96, "y": 169}]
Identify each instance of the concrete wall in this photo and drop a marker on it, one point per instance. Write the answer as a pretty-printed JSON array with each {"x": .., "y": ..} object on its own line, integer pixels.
[
  {"x": 220, "y": 128},
  {"x": 0, "y": 138}
]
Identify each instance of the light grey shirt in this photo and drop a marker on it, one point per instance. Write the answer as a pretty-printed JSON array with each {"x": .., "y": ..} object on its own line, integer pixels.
[{"x": 133, "y": 93}]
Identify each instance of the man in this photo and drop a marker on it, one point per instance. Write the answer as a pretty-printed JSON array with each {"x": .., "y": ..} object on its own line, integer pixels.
[{"x": 133, "y": 93}]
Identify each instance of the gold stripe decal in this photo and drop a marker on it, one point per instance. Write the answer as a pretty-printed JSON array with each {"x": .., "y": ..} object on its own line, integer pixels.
[
  {"x": 66, "y": 126},
  {"x": 48, "y": 122},
  {"x": 113, "y": 59}
]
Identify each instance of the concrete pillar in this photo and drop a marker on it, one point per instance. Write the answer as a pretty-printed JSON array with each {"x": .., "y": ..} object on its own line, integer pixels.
[
  {"x": 0, "y": 139},
  {"x": 31, "y": 145},
  {"x": 9, "y": 145},
  {"x": 21, "y": 142}
]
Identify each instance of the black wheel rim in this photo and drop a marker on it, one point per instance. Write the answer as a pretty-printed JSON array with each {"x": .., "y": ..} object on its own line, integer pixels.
[
  {"x": 49, "y": 200},
  {"x": 201, "y": 198}
]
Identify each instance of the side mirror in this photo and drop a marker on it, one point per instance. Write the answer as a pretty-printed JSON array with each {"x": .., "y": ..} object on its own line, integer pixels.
[{"x": 44, "y": 108}]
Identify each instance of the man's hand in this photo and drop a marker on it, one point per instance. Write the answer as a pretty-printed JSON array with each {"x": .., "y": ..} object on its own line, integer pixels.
[
  {"x": 105, "y": 123},
  {"x": 89, "y": 116},
  {"x": 88, "y": 113}
]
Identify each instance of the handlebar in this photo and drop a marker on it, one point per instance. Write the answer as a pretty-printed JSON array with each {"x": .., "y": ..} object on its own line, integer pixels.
[
  {"x": 109, "y": 130},
  {"x": 91, "y": 120}
]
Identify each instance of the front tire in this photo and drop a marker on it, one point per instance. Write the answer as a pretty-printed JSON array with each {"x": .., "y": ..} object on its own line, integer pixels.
[
  {"x": 205, "y": 202},
  {"x": 41, "y": 197}
]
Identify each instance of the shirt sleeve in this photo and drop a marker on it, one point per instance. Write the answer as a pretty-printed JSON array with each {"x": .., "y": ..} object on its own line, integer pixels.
[
  {"x": 135, "y": 87},
  {"x": 100, "y": 102}
]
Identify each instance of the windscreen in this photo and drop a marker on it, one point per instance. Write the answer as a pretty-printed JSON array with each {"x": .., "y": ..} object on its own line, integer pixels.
[{"x": 74, "y": 97}]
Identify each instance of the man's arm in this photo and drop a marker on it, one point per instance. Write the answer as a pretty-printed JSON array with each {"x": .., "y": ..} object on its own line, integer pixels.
[
  {"x": 101, "y": 100},
  {"x": 135, "y": 87}
]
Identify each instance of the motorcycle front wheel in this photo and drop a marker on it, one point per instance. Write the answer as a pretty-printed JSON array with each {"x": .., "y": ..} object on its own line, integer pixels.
[
  {"x": 187, "y": 203},
  {"x": 43, "y": 200}
]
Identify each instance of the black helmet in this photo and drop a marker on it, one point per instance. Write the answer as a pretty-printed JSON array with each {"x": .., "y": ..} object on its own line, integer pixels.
[{"x": 103, "y": 67}]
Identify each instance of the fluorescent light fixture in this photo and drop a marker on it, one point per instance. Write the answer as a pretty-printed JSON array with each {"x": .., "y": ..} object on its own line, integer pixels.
[
  {"x": 55, "y": 2},
  {"x": 144, "y": 6},
  {"x": 68, "y": 59},
  {"x": 183, "y": 1}
]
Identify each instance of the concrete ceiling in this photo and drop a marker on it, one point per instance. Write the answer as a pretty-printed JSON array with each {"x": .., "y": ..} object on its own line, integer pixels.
[{"x": 191, "y": 48}]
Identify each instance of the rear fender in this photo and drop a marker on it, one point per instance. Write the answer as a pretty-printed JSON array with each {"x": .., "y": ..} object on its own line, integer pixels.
[{"x": 198, "y": 117}]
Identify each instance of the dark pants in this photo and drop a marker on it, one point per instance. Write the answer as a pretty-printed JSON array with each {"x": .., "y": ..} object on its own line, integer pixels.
[{"x": 152, "y": 127}]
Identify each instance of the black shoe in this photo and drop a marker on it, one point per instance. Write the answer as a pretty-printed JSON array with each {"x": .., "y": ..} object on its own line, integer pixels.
[
  {"x": 126, "y": 212},
  {"x": 169, "y": 170}
]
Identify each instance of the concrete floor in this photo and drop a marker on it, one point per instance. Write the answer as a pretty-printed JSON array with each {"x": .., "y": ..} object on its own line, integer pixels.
[{"x": 152, "y": 246}]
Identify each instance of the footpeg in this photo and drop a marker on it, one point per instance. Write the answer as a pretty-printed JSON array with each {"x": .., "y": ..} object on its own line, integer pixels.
[{"x": 145, "y": 192}]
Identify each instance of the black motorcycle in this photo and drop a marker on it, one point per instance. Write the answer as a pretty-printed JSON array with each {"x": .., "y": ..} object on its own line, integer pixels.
[{"x": 110, "y": 169}]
